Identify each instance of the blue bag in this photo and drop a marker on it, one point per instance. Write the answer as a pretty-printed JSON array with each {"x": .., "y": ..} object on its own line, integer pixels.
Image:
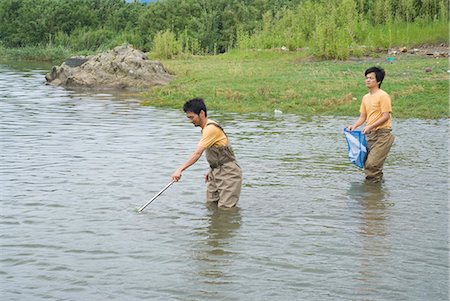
[{"x": 357, "y": 147}]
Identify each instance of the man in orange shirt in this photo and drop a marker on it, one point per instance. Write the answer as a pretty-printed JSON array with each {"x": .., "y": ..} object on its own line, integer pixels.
[
  {"x": 224, "y": 178},
  {"x": 376, "y": 111}
]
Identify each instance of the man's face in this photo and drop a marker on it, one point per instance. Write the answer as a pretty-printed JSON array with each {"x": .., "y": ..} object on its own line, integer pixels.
[
  {"x": 194, "y": 118},
  {"x": 371, "y": 80}
]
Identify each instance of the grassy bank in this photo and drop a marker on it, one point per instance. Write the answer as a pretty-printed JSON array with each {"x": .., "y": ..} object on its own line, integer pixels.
[
  {"x": 262, "y": 81},
  {"x": 46, "y": 53}
]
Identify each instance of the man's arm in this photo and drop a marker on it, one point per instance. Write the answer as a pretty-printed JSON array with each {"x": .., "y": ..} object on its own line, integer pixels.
[
  {"x": 384, "y": 116},
  {"x": 176, "y": 176},
  {"x": 361, "y": 119}
]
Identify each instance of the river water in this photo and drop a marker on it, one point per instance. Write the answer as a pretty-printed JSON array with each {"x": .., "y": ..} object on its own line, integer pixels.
[{"x": 76, "y": 165}]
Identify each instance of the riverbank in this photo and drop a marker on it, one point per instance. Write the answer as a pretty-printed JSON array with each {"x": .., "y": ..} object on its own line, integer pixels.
[
  {"x": 41, "y": 53},
  {"x": 291, "y": 82}
]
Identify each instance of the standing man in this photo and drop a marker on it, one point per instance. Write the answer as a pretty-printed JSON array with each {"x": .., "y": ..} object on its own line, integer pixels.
[
  {"x": 224, "y": 178},
  {"x": 376, "y": 110}
]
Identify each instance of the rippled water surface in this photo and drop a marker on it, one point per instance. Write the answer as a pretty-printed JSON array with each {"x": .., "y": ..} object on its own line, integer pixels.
[{"x": 75, "y": 166}]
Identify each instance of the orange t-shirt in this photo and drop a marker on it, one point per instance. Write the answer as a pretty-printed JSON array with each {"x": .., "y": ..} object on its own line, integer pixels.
[
  {"x": 212, "y": 136},
  {"x": 374, "y": 105}
]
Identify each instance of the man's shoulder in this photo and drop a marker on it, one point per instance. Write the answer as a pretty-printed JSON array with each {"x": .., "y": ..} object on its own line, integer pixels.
[
  {"x": 384, "y": 93},
  {"x": 212, "y": 124},
  {"x": 212, "y": 127},
  {"x": 384, "y": 96},
  {"x": 379, "y": 94}
]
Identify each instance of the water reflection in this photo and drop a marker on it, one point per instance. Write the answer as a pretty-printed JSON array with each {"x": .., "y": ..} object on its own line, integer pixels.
[
  {"x": 374, "y": 207},
  {"x": 216, "y": 253},
  {"x": 374, "y": 210}
]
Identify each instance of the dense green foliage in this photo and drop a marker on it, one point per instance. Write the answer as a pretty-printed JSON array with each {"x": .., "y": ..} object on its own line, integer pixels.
[{"x": 328, "y": 28}]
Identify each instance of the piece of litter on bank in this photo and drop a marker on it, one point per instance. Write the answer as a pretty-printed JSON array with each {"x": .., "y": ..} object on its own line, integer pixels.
[{"x": 276, "y": 111}]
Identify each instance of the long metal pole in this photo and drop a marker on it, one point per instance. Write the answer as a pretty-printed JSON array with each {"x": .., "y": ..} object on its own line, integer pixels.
[{"x": 157, "y": 195}]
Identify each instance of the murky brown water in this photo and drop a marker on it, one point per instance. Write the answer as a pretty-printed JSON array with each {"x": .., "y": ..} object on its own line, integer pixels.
[{"x": 76, "y": 166}]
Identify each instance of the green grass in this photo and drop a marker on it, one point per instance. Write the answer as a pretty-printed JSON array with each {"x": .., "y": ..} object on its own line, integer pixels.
[
  {"x": 262, "y": 81},
  {"x": 408, "y": 34},
  {"x": 39, "y": 53}
]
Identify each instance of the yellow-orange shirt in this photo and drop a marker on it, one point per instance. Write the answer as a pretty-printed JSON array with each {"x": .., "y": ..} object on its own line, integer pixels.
[
  {"x": 374, "y": 105},
  {"x": 212, "y": 136}
]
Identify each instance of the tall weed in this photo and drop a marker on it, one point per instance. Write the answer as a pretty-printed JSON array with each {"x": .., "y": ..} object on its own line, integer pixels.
[
  {"x": 336, "y": 31},
  {"x": 406, "y": 34},
  {"x": 189, "y": 44},
  {"x": 166, "y": 45}
]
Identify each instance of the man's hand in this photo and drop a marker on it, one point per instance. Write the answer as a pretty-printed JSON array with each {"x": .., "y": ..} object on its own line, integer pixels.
[
  {"x": 176, "y": 176},
  {"x": 366, "y": 130},
  {"x": 358, "y": 123}
]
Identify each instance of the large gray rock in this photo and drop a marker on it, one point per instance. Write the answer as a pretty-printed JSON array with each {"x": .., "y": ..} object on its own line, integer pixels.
[{"x": 120, "y": 68}]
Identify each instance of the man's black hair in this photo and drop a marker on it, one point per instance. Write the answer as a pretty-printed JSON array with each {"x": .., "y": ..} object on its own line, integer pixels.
[
  {"x": 195, "y": 105},
  {"x": 379, "y": 74}
]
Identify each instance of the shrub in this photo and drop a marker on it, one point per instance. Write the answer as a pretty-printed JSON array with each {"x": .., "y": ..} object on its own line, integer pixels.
[
  {"x": 166, "y": 45},
  {"x": 91, "y": 40}
]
